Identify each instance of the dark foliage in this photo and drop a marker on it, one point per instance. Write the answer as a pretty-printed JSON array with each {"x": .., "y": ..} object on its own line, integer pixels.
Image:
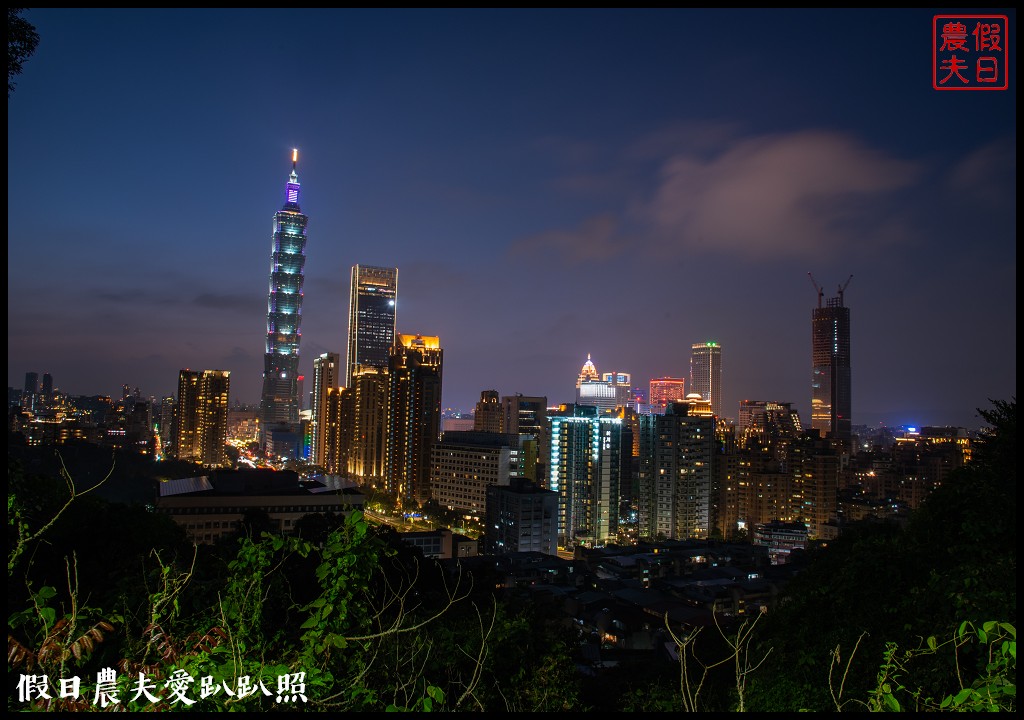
[
  {"x": 22, "y": 40},
  {"x": 956, "y": 560}
]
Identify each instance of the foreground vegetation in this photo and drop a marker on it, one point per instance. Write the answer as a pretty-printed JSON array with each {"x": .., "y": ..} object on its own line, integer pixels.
[{"x": 346, "y": 618}]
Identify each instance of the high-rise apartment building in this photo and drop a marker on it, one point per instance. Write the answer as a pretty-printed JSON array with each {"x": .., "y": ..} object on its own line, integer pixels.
[
  {"x": 763, "y": 423},
  {"x": 325, "y": 378},
  {"x": 830, "y": 367},
  {"x": 280, "y": 401},
  {"x": 677, "y": 486},
  {"x": 528, "y": 415},
  {"x": 202, "y": 422},
  {"x": 706, "y": 373},
  {"x": 414, "y": 415},
  {"x": 584, "y": 469},
  {"x": 521, "y": 517},
  {"x": 369, "y": 425},
  {"x": 371, "y": 317}
]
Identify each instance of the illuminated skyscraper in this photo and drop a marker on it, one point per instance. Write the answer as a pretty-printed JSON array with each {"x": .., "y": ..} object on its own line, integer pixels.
[
  {"x": 677, "y": 483},
  {"x": 592, "y": 390},
  {"x": 414, "y": 415},
  {"x": 706, "y": 373},
  {"x": 371, "y": 317},
  {"x": 830, "y": 366},
  {"x": 585, "y": 469},
  {"x": 665, "y": 390},
  {"x": 280, "y": 402},
  {"x": 202, "y": 423},
  {"x": 325, "y": 378}
]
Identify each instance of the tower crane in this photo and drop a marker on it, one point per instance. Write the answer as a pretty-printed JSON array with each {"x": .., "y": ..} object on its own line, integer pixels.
[
  {"x": 842, "y": 289},
  {"x": 818, "y": 288}
]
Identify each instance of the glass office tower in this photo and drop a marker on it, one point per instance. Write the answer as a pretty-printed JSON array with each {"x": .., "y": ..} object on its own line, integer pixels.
[{"x": 371, "y": 317}]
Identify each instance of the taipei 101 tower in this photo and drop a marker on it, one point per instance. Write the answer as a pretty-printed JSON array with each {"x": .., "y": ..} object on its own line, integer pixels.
[{"x": 279, "y": 407}]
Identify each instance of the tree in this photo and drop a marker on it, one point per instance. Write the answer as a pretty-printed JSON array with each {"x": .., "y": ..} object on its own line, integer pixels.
[
  {"x": 22, "y": 40},
  {"x": 883, "y": 590}
]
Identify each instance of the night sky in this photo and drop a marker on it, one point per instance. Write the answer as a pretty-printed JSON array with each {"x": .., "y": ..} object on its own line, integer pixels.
[{"x": 549, "y": 183}]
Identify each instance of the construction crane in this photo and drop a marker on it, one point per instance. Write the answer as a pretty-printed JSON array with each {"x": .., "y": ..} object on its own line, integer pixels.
[
  {"x": 818, "y": 288},
  {"x": 842, "y": 289}
]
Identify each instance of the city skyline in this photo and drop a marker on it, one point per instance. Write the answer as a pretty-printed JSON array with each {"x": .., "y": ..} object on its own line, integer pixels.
[{"x": 551, "y": 184}]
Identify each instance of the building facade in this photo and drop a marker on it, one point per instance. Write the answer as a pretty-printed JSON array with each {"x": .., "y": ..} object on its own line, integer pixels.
[
  {"x": 527, "y": 415},
  {"x": 463, "y": 465},
  {"x": 326, "y": 369},
  {"x": 487, "y": 415},
  {"x": 521, "y": 517},
  {"x": 584, "y": 469},
  {"x": 830, "y": 371},
  {"x": 202, "y": 422},
  {"x": 665, "y": 390},
  {"x": 280, "y": 399},
  {"x": 372, "y": 313},
  {"x": 677, "y": 487},
  {"x": 706, "y": 373},
  {"x": 370, "y": 404},
  {"x": 414, "y": 415},
  {"x": 592, "y": 389}
]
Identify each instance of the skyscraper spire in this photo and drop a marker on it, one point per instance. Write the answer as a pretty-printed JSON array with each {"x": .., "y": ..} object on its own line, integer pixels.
[{"x": 280, "y": 401}]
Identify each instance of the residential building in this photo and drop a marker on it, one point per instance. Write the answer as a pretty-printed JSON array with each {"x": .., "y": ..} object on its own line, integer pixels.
[
  {"x": 414, "y": 415},
  {"x": 584, "y": 469},
  {"x": 677, "y": 486},
  {"x": 326, "y": 369},
  {"x": 521, "y": 517},
  {"x": 202, "y": 422}
]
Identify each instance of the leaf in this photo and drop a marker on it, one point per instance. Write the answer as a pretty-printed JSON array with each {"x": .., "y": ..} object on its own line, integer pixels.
[
  {"x": 961, "y": 696},
  {"x": 892, "y": 702},
  {"x": 48, "y": 614}
]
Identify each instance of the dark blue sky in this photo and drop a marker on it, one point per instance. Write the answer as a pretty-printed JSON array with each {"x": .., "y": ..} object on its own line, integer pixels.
[{"x": 550, "y": 183}]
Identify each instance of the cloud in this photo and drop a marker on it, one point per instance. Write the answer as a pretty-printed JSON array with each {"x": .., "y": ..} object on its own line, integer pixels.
[
  {"x": 595, "y": 239},
  {"x": 769, "y": 196},
  {"x": 135, "y": 296},
  {"x": 800, "y": 195},
  {"x": 987, "y": 175},
  {"x": 243, "y": 302}
]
